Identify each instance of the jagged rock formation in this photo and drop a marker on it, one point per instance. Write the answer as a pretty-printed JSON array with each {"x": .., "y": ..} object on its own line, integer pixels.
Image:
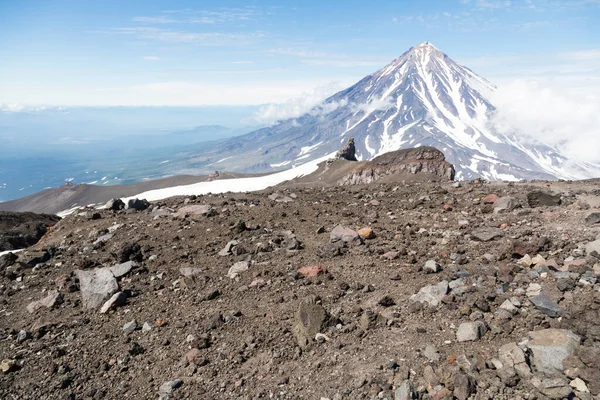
[{"x": 348, "y": 152}]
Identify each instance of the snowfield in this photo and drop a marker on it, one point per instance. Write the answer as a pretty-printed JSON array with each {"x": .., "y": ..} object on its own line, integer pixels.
[{"x": 233, "y": 185}]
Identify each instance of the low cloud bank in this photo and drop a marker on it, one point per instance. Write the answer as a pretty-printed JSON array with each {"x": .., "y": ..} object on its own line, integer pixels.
[{"x": 561, "y": 113}]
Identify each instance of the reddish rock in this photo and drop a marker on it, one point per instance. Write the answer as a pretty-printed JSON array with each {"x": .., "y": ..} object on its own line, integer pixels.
[
  {"x": 506, "y": 273},
  {"x": 490, "y": 199},
  {"x": 311, "y": 271},
  {"x": 366, "y": 233},
  {"x": 53, "y": 298},
  {"x": 447, "y": 207}
]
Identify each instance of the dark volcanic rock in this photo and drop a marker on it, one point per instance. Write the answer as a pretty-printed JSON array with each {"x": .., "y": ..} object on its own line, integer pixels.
[
  {"x": 538, "y": 198},
  {"x": 21, "y": 230},
  {"x": 348, "y": 152}
]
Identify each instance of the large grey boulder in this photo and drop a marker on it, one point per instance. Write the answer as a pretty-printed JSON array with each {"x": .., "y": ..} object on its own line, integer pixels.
[
  {"x": 549, "y": 347},
  {"x": 96, "y": 286}
]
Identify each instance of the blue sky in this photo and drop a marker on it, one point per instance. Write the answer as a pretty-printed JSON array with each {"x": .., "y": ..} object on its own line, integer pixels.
[{"x": 255, "y": 52}]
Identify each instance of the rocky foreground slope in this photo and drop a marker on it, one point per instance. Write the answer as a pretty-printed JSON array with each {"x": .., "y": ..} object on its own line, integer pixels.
[{"x": 381, "y": 291}]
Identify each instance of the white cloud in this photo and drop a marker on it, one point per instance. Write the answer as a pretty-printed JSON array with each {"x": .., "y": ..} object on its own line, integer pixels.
[
  {"x": 202, "y": 39},
  {"x": 154, "y": 20},
  {"x": 562, "y": 113},
  {"x": 295, "y": 107},
  {"x": 374, "y": 105},
  {"x": 151, "y": 58}
]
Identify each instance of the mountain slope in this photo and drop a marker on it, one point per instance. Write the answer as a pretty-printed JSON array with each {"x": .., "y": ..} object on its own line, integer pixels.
[{"x": 422, "y": 98}]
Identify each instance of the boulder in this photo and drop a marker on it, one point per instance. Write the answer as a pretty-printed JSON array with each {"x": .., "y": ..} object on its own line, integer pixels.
[
  {"x": 549, "y": 347},
  {"x": 470, "y": 331},
  {"x": 137, "y": 204},
  {"x": 538, "y": 198},
  {"x": 114, "y": 205},
  {"x": 96, "y": 286}
]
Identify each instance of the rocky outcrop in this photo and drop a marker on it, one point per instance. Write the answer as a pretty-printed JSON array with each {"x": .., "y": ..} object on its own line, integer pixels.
[
  {"x": 21, "y": 230},
  {"x": 348, "y": 152},
  {"x": 426, "y": 160}
]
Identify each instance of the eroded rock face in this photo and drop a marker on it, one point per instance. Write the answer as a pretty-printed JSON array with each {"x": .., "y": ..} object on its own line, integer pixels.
[{"x": 425, "y": 159}]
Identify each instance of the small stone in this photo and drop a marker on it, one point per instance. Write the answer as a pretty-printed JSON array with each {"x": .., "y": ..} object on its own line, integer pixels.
[
  {"x": 23, "y": 336},
  {"x": 387, "y": 301},
  {"x": 366, "y": 233},
  {"x": 544, "y": 304},
  {"x": 130, "y": 327},
  {"x": 122, "y": 269},
  {"x": 166, "y": 389},
  {"x": 505, "y": 204},
  {"x": 146, "y": 327},
  {"x": 470, "y": 331},
  {"x": 490, "y": 199},
  {"x": 431, "y": 294},
  {"x": 404, "y": 391},
  {"x": 431, "y": 353},
  {"x": 432, "y": 266},
  {"x": 7, "y": 366},
  {"x": 117, "y": 300},
  {"x": 538, "y": 198},
  {"x": 137, "y": 204},
  {"x": 312, "y": 271},
  {"x": 310, "y": 319},
  {"x": 486, "y": 234},
  {"x": 238, "y": 268},
  {"x": 579, "y": 385},
  {"x": 464, "y": 386},
  {"x": 593, "y": 218},
  {"x": 53, "y": 298}
]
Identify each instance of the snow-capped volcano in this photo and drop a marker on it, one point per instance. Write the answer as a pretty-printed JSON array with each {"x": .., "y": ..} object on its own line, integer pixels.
[{"x": 421, "y": 98}]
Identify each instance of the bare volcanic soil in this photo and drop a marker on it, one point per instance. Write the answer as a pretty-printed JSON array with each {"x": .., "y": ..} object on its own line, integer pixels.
[{"x": 382, "y": 291}]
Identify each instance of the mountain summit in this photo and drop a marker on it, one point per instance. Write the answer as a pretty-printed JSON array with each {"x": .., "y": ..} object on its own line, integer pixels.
[{"x": 422, "y": 98}]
